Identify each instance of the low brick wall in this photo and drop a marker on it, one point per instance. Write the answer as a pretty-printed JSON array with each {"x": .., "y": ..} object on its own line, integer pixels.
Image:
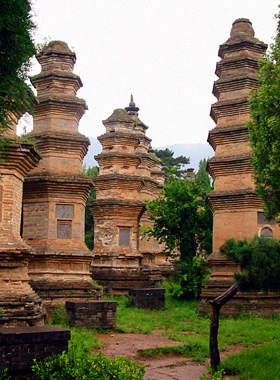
[
  {"x": 92, "y": 313},
  {"x": 19, "y": 346},
  {"x": 148, "y": 298}
]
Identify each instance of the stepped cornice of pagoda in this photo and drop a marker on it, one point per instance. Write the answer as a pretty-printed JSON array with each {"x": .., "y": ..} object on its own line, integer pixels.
[
  {"x": 235, "y": 199},
  {"x": 242, "y": 62},
  {"x": 117, "y": 136},
  {"x": 116, "y": 202},
  {"x": 228, "y": 108},
  {"x": 137, "y": 156},
  {"x": 51, "y": 141},
  {"x": 60, "y": 105},
  {"x": 234, "y": 84},
  {"x": 242, "y": 36},
  {"x": 45, "y": 77},
  {"x": 117, "y": 208},
  {"x": 61, "y": 99},
  {"x": 46, "y": 185},
  {"x": 242, "y": 43},
  {"x": 139, "y": 122},
  {"x": 119, "y": 115},
  {"x": 227, "y": 134},
  {"x": 124, "y": 178},
  {"x": 19, "y": 157},
  {"x": 56, "y": 52},
  {"x": 229, "y": 165}
]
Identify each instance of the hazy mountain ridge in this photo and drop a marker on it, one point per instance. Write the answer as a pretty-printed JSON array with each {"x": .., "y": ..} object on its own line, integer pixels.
[{"x": 196, "y": 152}]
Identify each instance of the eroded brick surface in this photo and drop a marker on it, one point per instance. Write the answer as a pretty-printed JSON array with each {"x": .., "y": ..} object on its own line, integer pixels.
[
  {"x": 19, "y": 304},
  {"x": 19, "y": 346},
  {"x": 92, "y": 314},
  {"x": 148, "y": 298}
]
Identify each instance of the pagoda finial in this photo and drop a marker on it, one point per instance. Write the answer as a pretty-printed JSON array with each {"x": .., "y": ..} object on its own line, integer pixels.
[
  {"x": 131, "y": 104},
  {"x": 132, "y": 109}
]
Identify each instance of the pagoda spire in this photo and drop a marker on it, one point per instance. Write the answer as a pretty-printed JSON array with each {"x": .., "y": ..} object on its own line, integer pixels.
[{"x": 132, "y": 109}]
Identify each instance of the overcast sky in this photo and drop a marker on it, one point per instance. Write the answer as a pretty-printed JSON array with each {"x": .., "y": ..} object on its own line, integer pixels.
[{"x": 162, "y": 51}]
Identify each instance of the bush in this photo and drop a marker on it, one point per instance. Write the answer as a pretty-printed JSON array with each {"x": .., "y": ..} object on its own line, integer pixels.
[
  {"x": 188, "y": 279},
  {"x": 69, "y": 366},
  {"x": 259, "y": 259},
  {"x": 4, "y": 374},
  {"x": 78, "y": 364}
]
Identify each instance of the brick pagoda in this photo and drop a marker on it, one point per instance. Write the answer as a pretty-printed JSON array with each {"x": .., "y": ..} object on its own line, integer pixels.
[
  {"x": 19, "y": 304},
  {"x": 237, "y": 210},
  {"x": 129, "y": 174},
  {"x": 55, "y": 193}
]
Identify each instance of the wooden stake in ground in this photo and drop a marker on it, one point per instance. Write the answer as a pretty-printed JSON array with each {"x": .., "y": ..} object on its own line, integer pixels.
[{"x": 216, "y": 304}]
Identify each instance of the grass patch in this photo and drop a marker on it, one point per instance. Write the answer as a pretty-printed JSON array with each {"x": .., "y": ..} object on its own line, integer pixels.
[
  {"x": 255, "y": 364},
  {"x": 180, "y": 321},
  {"x": 191, "y": 350},
  {"x": 83, "y": 339}
]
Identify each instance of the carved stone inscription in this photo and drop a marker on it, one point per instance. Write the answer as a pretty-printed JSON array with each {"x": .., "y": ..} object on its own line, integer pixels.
[
  {"x": 64, "y": 211},
  {"x": 64, "y": 229},
  {"x": 124, "y": 238}
]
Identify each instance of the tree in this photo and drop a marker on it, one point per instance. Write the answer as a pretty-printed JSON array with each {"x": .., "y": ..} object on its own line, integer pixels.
[
  {"x": 202, "y": 176},
  {"x": 179, "y": 217},
  {"x": 260, "y": 263},
  {"x": 264, "y": 131},
  {"x": 16, "y": 48},
  {"x": 168, "y": 162},
  {"x": 89, "y": 222}
]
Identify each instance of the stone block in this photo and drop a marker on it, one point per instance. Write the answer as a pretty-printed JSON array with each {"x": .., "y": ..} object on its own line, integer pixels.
[
  {"x": 148, "y": 298},
  {"x": 19, "y": 346},
  {"x": 92, "y": 314}
]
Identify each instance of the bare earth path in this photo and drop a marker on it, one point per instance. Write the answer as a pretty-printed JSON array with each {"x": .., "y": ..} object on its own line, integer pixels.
[{"x": 159, "y": 368}]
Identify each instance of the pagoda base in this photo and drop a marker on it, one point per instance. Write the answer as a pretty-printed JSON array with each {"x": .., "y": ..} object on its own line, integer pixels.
[
  {"x": 261, "y": 303},
  {"x": 58, "y": 278},
  {"x": 20, "y": 306},
  {"x": 119, "y": 280}
]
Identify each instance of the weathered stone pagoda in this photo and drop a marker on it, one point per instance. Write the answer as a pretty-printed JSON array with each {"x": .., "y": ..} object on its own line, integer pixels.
[
  {"x": 19, "y": 304},
  {"x": 237, "y": 210},
  {"x": 55, "y": 193},
  {"x": 129, "y": 174}
]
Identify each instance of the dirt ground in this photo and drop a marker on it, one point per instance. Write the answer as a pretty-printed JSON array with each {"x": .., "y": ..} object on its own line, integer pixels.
[{"x": 157, "y": 368}]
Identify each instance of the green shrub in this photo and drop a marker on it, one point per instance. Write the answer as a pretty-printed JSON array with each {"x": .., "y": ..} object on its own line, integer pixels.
[
  {"x": 216, "y": 375},
  {"x": 4, "y": 374},
  {"x": 69, "y": 366},
  {"x": 260, "y": 262},
  {"x": 79, "y": 364},
  {"x": 188, "y": 279}
]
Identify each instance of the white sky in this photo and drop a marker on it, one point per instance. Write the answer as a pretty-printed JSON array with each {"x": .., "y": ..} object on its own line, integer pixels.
[{"x": 162, "y": 51}]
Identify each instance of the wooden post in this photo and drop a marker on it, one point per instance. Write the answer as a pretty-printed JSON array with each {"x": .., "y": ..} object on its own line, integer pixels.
[{"x": 216, "y": 304}]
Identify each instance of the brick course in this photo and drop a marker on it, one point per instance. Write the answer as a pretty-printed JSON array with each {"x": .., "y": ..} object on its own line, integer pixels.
[{"x": 92, "y": 314}]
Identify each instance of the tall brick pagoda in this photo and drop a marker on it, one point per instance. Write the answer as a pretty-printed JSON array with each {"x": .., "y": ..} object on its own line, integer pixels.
[
  {"x": 129, "y": 174},
  {"x": 237, "y": 210},
  {"x": 19, "y": 304},
  {"x": 55, "y": 193}
]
